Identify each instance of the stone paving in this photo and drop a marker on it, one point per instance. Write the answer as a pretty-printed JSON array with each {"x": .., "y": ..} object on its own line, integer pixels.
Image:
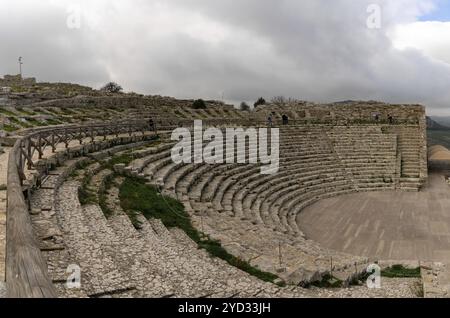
[{"x": 385, "y": 225}]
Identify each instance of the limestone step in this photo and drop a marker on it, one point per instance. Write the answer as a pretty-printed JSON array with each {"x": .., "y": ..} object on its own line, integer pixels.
[{"x": 88, "y": 247}]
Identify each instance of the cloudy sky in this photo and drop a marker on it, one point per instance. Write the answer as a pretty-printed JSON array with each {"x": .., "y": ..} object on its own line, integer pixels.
[{"x": 319, "y": 50}]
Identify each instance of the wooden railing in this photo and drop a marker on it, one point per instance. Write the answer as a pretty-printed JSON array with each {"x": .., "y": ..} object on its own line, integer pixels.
[{"x": 26, "y": 269}]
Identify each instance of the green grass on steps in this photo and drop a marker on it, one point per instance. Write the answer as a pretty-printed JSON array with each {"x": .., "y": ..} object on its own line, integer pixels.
[
  {"x": 85, "y": 194},
  {"x": 7, "y": 112},
  {"x": 327, "y": 281},
  {"x": 103, "y": 195},
  {"x": 399, "y": 271},
  {"x": 136, "y": 195},
  {"x": 10, "y": 128}
]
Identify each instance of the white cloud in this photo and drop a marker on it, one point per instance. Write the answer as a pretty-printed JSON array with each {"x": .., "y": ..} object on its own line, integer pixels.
[{"x": 432, "y": 38}]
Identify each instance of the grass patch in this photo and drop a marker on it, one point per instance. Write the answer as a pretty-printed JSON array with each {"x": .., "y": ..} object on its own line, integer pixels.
[
  {"x": 36, "y": 122},
  {"x": 16, "y": 121},
  {"x": 25, "y": 112},
  {"x": 135, "y": 195},
  {"x": 7, "y": 112},
  {"x": 67, "y": 111},
  {"x": 13, "y": 120},
  {"x": 124, "y": 158},
  {"x": 10, "y": 128},
  {"x": 85, "y": 195},
  {"x": 53, "y": 122},
  {"x": 399, "y": 271},
  {"x": 327, "y": 281},
  {"x": 103, "y": 195}
]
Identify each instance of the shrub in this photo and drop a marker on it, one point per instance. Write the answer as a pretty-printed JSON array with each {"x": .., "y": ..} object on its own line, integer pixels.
[
  {"x": 245, "y": 107},
  {"x": 199, "y": 104}
]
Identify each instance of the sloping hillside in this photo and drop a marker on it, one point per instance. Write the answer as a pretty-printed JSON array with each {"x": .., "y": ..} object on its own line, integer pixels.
[{"x": 435, "y": 125}]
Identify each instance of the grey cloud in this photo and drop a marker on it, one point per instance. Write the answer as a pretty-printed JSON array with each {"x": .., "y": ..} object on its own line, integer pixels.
[{"x": 314, "y": 49}]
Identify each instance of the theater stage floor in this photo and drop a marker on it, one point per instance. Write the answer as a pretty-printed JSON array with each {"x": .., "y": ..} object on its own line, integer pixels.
[{"x": 385, "y": 225}]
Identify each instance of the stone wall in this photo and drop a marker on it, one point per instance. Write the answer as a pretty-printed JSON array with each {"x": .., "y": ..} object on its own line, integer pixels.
[
  {"x": 346, "y": 112},
  {"x": 13, "y": 80}
]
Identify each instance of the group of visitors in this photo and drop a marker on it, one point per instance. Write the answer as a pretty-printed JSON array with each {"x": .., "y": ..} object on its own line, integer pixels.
[
  {"x": 284, "y": 118},
  {"x": 377, "y": 117}
]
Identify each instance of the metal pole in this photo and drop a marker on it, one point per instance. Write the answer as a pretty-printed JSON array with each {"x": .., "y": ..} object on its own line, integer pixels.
[{"x": 20, "y": 66}]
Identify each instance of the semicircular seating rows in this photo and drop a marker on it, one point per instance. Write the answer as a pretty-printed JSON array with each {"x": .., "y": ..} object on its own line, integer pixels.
[{"x": 254, "y": 216}]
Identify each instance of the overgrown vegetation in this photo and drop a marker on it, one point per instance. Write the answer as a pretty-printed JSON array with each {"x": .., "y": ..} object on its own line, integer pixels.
[
  {"x": 399, "y": 271},
  {"x": 136, "y": 195}
]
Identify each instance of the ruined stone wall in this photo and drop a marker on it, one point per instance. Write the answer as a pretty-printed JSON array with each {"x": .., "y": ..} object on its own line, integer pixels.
[
  {"x": 352, "y": 112},
  {"x": 14, "y": 80}
]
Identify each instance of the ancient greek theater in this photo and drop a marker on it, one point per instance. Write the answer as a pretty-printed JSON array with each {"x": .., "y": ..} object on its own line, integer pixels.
[{"x": 94, "y": 206}]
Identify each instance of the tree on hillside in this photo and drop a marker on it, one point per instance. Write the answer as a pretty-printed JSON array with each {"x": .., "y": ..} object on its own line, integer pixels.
[
  {"x": 199, "y": 104},
  {"x": 261, "y": 101},
  {"x": 245, "y": 107},
  {"x": 112, "y": 87}
]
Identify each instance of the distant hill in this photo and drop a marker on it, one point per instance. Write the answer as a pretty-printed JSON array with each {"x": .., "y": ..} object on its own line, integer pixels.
[
  {"x": 433, "y": 124},
  {"x": 441, "y": 120}
]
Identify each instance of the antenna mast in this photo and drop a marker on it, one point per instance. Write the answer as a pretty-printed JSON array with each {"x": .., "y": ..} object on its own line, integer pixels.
[{"x": 20, "y": 66}]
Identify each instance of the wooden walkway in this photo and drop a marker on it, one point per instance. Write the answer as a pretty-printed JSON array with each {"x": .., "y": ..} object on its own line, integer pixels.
[
  {"x": 3, "y": 181},
  {"x": 385, "y": 225}
]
